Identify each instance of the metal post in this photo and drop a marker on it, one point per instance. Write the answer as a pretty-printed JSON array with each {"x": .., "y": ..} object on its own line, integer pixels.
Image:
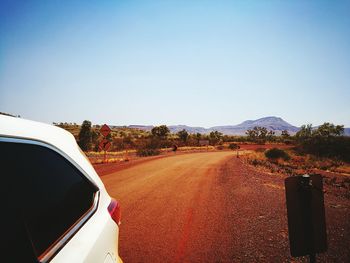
[{"x": 306, "y": 188}]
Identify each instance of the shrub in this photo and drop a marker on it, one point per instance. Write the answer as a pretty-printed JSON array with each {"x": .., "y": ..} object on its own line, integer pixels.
[
  {"x": 234, "y": 146},
  {"x": 149, "y": 147},
  {"x": 325, "y": 141},
  {"x": 276, "y": 153},
  {"x": 147, "y": 152},
  {"x": 332, "y": 147},
  {"x": 84, "y": 136}
]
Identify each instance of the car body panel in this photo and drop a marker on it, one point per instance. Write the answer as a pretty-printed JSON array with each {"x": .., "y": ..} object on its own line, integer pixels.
[{"x": 98, "y": 236}]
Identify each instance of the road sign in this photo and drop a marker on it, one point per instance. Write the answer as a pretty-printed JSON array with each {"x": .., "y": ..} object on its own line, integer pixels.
[
  {"x": 104, "y": 145},
  {"x": 105, "y": 130},
  {"x": 306, "y": 215}
]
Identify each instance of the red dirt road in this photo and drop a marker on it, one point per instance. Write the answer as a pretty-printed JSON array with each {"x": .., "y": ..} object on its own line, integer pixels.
[{"x": 209, "y": 207}]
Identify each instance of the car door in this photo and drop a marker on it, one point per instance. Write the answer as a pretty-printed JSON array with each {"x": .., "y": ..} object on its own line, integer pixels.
[{"x": 48, "y": 199}]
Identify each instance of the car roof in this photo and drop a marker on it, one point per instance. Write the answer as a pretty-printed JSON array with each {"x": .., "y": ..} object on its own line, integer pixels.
[
  {"x": 61, "y": 139},
  {"x": 27, "y": 129}
]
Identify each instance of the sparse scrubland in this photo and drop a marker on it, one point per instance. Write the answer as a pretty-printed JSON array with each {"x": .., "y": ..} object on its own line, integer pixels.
[
  {"x": 254, "y": 173},
  {"x": 315, "y": 151},
  {"x": 311, "y": 150}
]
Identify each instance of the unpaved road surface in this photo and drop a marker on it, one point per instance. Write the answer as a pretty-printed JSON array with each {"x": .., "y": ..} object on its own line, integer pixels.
[{"x": 211, "y": 207}]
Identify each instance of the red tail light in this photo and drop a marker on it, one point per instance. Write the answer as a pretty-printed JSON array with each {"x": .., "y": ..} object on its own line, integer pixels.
[{"x": 114, "y": 211}]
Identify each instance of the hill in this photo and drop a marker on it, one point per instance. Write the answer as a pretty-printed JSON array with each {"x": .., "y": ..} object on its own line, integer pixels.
[
  {"x": 347, "y": 131},
  {"x": 271, "y": 123}
]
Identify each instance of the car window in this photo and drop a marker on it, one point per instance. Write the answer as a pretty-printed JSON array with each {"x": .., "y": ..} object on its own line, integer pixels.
[
  {"x": 13, "y": 232},
  {"x": 51, "y": 194}
]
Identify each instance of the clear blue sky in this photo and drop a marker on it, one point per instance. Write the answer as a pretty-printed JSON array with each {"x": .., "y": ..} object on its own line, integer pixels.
[{"x": 200, "y": 63}]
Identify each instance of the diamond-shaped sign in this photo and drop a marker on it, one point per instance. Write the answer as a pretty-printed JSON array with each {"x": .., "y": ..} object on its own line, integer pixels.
[
  {"x": 104, "y": 145},
  {"x": 105, "y": 130}
]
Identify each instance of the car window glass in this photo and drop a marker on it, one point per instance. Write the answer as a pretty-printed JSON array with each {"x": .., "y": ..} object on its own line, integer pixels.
[
  {"x": 14, "y": 233},
  {"x": 51, "y": 193}
]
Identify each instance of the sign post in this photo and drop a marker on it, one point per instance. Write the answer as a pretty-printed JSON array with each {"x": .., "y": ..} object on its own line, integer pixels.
[
  {"x": 306, "y": 216},
  {"x": 238, "y": 147},
  {"x": 105, "y": 144}
]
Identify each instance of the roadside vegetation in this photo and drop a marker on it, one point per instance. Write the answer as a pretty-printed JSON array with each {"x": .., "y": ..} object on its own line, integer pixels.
[
  {"x": 123, "y": 138},
  {"x": 274, "y": 154},
  {"x": 321, "y": 150},
  {"x": 311, "y": 149}
]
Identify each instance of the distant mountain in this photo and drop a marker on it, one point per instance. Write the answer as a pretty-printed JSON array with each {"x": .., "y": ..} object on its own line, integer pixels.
[
  {"x": 141, "y": 127},
  {"x": 172, "y": 128},
  {"x": 273, "y": 123},
  {"x": 177, "y": 128}
]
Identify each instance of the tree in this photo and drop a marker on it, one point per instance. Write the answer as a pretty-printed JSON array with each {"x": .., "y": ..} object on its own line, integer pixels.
[
  {"x": 325, "y": 141},
  {"x": 262, "y": 132},
  {"x": 94, "y": 140},
  {"x": 85, "y": 136},
  {"x": 285, "y": 135},
  {"x": 183, "y": 135},
  {"x": 161, "y": 131},
  {"x": 328, "y": 130},
  {"x": 304, "y": 133},
  {"x": 258, "y": 134},
  {"x": 215, "y": 137},
  {"x": 270, "y": 136},
  {"x": 286, "y": 138},
  {"x": 252, "y": 134},
  {"x": 197, "y": 137}
]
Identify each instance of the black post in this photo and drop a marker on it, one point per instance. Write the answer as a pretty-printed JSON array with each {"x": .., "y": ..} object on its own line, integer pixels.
[
  {"x": 306, "y": 216},
  {"x": 306, "y": 185}
]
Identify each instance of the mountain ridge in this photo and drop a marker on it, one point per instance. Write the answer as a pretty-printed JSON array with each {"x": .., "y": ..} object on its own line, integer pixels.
[{"x": 276, "y": 124}]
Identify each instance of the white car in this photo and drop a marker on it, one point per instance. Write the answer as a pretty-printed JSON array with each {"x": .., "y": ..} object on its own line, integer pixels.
[{"x": 56, "y": 207}]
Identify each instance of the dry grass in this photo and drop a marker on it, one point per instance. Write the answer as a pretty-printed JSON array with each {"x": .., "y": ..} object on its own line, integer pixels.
[
  {"x": 196, "y": 148},
  {"x": 298, "y": 162},
  {"x": 109, "y": 160},
  {"x": 336, "y": 174},
  {"x": 99, "y": 154}
]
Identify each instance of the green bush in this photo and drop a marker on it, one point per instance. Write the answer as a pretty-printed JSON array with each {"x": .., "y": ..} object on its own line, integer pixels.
[
  {"x": 147, "y": 152},
  {"x": 234, "y": 146},
  {"x": 331, "y": 147},
  {"x": 149, "y": 147},
  {"x": 276, "y": 153},
  {"x": 326, "y": 140}
]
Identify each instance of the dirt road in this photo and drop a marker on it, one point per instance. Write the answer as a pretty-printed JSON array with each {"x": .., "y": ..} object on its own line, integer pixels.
[{"x": 205, "y": 207}]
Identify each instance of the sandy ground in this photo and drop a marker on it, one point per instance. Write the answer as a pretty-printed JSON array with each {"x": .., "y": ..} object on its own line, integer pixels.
[{"x": 211, "y": 207}]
